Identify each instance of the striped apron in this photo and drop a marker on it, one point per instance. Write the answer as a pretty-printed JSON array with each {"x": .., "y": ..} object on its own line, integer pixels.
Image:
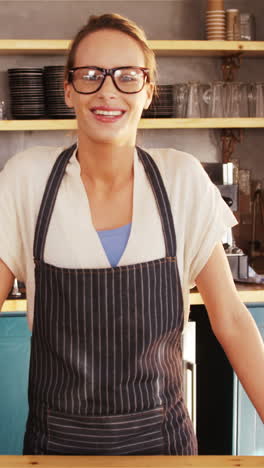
[{"x": 106, "y": 360}]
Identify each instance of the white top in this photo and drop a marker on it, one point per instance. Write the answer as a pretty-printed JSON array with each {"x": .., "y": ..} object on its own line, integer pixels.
[{"x": 200, "y": 215}]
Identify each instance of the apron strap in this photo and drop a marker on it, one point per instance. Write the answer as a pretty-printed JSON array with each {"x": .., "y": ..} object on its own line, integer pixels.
[
  {"x": 48, "y": 201},
  {"x": 52, "y": 188},
  {"x": 162, "y": 201}
]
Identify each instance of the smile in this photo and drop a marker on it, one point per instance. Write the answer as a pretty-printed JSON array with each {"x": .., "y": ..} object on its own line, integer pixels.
[
  {"x": 107, "y": 115},
  {"x": 111, "y": 113}
]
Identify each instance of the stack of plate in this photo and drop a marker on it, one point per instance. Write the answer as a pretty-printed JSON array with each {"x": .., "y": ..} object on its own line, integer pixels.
[
  {"x": 54, "y": 93},
  {"x": 162, "y": 105},
  {"x": 26, "y": 92}
]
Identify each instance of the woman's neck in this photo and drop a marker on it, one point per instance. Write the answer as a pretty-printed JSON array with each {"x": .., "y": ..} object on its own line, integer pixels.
[{"x": 105, "y": 166}]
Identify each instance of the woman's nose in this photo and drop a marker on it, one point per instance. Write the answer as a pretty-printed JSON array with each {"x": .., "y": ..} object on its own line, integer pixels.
[{"x": 108, "y": 87}]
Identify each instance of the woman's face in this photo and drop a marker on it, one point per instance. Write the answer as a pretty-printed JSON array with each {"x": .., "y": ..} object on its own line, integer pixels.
[{"x": 108, "y": 49}]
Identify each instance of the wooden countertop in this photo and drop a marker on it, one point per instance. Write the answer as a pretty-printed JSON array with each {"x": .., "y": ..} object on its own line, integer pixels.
[
  {"x": 249, "y": 293},
  {"x": 155, "y": 461}
]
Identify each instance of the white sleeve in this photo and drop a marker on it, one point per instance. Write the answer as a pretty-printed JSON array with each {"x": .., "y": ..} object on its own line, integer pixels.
[
  {"x": 210, "y": 218},
  {"x": 11, "y": 251}
]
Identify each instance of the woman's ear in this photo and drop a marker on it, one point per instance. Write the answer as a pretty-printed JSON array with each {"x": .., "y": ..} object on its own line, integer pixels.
[
  {"x": 68, "y": 94},
  {"x": 150, "y": 90}
]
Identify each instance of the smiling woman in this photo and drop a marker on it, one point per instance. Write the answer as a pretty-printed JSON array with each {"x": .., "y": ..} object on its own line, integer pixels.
[
  {"x": 109, "y": 238},
  {"x": 108, "y": 83}
]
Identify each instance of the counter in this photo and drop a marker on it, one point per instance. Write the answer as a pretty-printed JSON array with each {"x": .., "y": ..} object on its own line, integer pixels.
[
  {"x": 249, "y": 293},
  {"x": 155, "y": 461}
]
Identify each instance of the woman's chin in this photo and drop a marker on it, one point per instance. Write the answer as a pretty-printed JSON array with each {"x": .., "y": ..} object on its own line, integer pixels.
[{"x": 106, "y": 138}]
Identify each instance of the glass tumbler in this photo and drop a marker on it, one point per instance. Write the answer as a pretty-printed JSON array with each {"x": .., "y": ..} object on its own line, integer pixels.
[
  {"x": 180, "y": 95},
  {"x": 215, "y": 97},
  {"x": 251, "y": 100},
  {"x": 233, "y": 99},
  {"x": 258, "y": 94},
  {"x": 193, "y": 109},
  {"x": 244, "y": 99},
  {"x": 3, "y": 115}
]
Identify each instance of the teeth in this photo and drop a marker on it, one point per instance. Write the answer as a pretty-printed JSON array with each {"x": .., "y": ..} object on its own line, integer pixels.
[{"x": 103, "y": 112}]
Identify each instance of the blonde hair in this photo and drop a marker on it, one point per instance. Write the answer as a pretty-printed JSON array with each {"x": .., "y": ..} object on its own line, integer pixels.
[{"x": 118, "y": 23}]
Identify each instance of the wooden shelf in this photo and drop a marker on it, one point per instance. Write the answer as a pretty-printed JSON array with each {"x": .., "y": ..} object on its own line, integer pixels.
[
  {"x": 33, "y": 46},
  {"x": 160, "y": 47},
  {"x": 207, "y": 48},
  {"x": 45, "y": 124},
  {"x": 172, "y": 123}
]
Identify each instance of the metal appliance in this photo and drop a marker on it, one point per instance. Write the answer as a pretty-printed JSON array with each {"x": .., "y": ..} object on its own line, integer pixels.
[{"x": 222, "y": 176}]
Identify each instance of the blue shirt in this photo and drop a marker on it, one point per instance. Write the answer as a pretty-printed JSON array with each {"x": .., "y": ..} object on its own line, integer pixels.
[{"x": 114, "y": 242}]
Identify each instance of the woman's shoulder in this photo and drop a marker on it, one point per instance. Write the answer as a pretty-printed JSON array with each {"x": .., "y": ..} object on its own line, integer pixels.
[
  {"x": 176, "y": 164},
  {"x": 39, "y": 156},
  {"x": 30, "y": 167}
]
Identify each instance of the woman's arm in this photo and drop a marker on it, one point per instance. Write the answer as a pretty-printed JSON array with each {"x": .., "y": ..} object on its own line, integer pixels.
[
  {"x": 233, "y": 326},
  {"x": 6, "y": 282}
]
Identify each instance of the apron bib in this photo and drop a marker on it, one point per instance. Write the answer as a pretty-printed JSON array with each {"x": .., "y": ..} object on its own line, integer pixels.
[{"x": 106, "y": 360}]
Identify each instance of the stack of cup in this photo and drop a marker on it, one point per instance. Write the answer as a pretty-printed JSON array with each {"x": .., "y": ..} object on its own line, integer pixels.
[
  {"x": 215, "y": 20},
  {"x": 232, "y": 25}
]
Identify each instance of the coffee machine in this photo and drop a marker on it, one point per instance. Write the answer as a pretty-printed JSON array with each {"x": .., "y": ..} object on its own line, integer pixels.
[{"x": 222, "y": 176}]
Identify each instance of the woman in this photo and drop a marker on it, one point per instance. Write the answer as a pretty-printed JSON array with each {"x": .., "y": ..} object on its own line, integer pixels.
[{"x": 100, "y": 221}]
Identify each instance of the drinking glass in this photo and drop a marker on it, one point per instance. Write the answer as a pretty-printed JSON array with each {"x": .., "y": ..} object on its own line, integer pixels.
[
  {"x": 251, "y": 99},
  {"x": 180, "y": 95},
  {"x": 244, "y": 99},
  {"x": 204, "y": 100},
  {"x": 3, "y": 115},
  {"x": 233, "y": 99},
  {"x": 215, "y": 97},
  {"x": 258, "y": 91},
  {"x": 193, "y": 102}
]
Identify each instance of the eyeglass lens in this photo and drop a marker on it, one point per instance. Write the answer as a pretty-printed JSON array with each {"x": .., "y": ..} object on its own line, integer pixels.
[{"x": 128, "y": 80}]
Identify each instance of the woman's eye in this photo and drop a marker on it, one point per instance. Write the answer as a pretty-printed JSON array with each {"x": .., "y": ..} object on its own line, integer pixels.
[
  {"x": 91, "y": 77},
  {"x": 128, "y": 78}
]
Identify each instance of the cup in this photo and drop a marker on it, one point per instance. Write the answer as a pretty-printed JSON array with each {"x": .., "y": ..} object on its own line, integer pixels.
[
  {"x": 215, "y": 5},
  {"x": 3, "y": 115},
  {"x": 232, "y": 25},
  {"x": 193, "y": 109},
  {"x": 247, "y": 27},
  {"x": 244, "y": 100},
  {"x": 216, "y": 36},
  {"x": 180, "y": 96},
  {"x": 196, "y": 105},
  {"x": 233, "y": 99},
  {"x": 215, "y": 25},
  {"x": 215, "y": 98},
  {"x": 258, "y": 96},
  {"x": 204, "y": 103},
  {"x": 252, "y": 99},
  {"x": 215, "y": 14}
]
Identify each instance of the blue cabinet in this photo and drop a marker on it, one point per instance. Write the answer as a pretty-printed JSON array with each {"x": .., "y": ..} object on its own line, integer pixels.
[
  {"x": 14, "y": 367},
  {"x": 248, "y": 429}
]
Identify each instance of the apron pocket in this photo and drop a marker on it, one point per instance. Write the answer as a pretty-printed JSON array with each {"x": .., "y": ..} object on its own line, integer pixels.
[{"x": 126, "y": 434}]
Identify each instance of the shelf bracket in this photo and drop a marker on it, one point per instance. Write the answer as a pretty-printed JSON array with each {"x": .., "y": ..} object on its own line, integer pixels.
[
  {"x": 230, "y": 65},
  {"x": 230, "y": 137}
]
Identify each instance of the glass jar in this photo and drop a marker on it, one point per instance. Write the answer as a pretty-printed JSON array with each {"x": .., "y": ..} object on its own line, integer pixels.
[
  {"x": 2, "y": 110},
  {"x": 247, "y": 27}
]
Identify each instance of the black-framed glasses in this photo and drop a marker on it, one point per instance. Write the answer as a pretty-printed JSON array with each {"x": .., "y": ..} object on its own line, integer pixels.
[{"x": 88, "y": 80}]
